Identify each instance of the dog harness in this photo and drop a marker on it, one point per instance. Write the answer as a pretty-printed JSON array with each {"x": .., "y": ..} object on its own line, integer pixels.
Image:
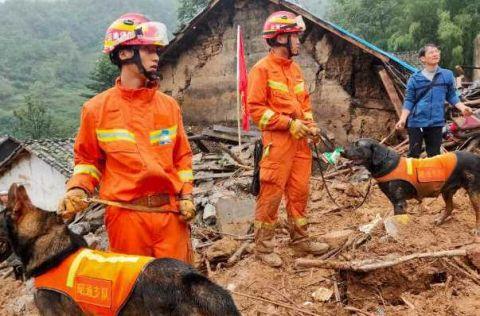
[
  {"x": 99, "y": 282},
  {"x": 427, "y": 175}
]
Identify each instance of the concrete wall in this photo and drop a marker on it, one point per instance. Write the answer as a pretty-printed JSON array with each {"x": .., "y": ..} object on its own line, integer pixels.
[
  {"x": 45, "y": 185},
  {"x": 346, "y": 94},
  {"x": 476, "y": 58}
]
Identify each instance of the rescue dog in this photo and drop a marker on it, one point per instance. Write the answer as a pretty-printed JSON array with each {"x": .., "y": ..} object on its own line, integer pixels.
[
  {"x": 462, "y": 170},
  {"x": 163, "y": 286}
]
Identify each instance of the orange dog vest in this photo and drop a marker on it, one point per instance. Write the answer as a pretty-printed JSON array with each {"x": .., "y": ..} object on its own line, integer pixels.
[
  {"x": 427, "y": 175},
  {"x": 99, "y": 282}
]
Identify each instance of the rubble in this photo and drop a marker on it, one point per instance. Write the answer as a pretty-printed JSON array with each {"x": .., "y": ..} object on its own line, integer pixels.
[
  {"x": 337, "y": 238},
  {"x": 322, "y": 294},
  {"x": 394, "y": 225},
  {"x": 222, "y": 239},
  {"x": 221, "y": 250}
]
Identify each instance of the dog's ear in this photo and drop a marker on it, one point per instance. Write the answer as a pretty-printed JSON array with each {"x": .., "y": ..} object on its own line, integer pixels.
[
  {"x": 379, "y": 152},
  {"x": 18, "y": 200}
]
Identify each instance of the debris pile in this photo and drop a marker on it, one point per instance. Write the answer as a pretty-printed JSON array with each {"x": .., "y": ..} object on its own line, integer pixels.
[{"x": 404, "y": 275}]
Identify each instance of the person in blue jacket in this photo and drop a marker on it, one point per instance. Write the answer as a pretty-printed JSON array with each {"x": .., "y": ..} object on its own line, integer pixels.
[{"x": 424, "y": 106}]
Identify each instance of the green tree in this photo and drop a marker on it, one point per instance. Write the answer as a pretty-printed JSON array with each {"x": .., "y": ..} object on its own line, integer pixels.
[
  {"x": 52, "y": 46},
  {"x": 103, "y": 76},
  {"x": 406, "y": 25},
  {"x": 33, "y": 120},
  {"x": 189, "y": 8}
]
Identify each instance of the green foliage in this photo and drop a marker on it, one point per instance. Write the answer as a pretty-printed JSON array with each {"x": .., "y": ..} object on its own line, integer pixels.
[
  {"x": 189, "y": 8},
  {"x": 406, "y": 25},
  {"x": 50, "y": 50},
  {"x": 103, "y": 75},
  {"x": 33, "y": 120}
]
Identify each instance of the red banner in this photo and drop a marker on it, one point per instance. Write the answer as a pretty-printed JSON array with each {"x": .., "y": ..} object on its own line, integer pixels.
[{"x": 242, "y": 81}]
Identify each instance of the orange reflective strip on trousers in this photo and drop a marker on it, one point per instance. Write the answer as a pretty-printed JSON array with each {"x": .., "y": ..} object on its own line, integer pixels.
[
  {"x": 159, "y": 235},
  {"x": 285, "y": 171}
]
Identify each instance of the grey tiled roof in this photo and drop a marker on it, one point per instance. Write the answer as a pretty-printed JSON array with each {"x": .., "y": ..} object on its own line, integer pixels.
[{"x": 57, "y": 152}]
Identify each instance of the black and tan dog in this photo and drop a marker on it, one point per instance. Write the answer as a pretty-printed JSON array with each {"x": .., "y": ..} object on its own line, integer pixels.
[
  {"x": 401, "y": 178},
  {"x": 159, "y": 287}
]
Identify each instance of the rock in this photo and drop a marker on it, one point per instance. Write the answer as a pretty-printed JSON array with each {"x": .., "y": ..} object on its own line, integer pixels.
[
  {"x": 322, "y": 294},
  {"x": 474, "y": 255},
  {"x": 395, "y": 224},
  {"x": 336, "y": 238},
  {"x": 368, "y": 228},
  {"x": 316, "y": 196},
  {"x": 209, "y": 214},
  {"x": 352, "y": 191},
  {"x": 339, "y": 186},
  {"x": 221, "y": 250},
  {"x": 235, "y": 214},
  {"x": 243, "y": 183}
]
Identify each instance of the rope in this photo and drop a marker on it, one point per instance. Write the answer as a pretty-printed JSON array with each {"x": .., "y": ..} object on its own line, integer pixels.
[{"x": 326, "y": 186}]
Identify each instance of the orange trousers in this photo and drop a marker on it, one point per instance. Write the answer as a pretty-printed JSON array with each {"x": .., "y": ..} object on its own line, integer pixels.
[
  {"x": 285, "y": 170},
  {"x": 159, "y": 235}
]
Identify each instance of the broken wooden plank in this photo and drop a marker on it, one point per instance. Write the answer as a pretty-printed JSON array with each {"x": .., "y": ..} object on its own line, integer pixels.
[
  {"x": 224, "y": 138},
  {"x": 234, "y": 157},
  {"x": 233, "y": 131},
  {"x": 201, "y": 145},
  {"x": 209, "y": 176},
  {"x": 374, "y": 264},
  {"x": 391, "y": 91}
]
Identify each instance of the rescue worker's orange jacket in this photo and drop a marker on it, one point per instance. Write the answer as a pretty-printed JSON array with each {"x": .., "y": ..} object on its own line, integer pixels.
[
  {"x": 277, "y": 93},
  {"x": 132, "y": 142},
  {"x": 427, "y": 175},
  {"x": 99, "y": 282}
]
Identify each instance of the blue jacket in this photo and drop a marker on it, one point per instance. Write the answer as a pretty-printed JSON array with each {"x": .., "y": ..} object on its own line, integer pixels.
[{"x": 430, "y": 110}]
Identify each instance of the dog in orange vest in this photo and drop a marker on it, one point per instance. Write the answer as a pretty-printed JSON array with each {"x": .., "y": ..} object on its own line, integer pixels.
[
  {"x": 72, "y": 279},
  {"x": 402, "y": 178}
]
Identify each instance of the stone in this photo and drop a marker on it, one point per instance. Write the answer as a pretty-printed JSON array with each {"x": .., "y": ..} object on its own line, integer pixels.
[
  {"x": 322, "y": 294},
  {"x": 395, "y": 224},
  {"x": 336, "y": 238},
  {"x": 473, "y": 253},
  {"x": 352, "y": 191},
  {"x": 370, "y": 227},
  {"x": 316, "y": 196},
  {"x": 235, "y": 214},
  {"x": 209, "y": 214},
  {"x": 222, "y": 249}
]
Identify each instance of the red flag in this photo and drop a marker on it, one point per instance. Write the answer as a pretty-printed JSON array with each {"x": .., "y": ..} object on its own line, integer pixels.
[{"x": 242, "y": 81}]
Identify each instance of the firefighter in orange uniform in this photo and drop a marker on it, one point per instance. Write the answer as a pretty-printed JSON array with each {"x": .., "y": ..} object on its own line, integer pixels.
[
  {"x": 280, "y": 106},
  {"x": 132, "y": 144}
]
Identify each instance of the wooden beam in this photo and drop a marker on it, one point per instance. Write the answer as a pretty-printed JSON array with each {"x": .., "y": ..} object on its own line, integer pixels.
[{"x": 391, "y": 91}]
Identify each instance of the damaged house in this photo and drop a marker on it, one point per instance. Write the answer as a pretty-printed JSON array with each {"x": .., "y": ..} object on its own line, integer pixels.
[
  {"x": 355, "y": 88},
  {"x": 42, "y": 166}
]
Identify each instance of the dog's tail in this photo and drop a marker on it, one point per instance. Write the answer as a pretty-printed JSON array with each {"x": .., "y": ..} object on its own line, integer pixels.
[{"x": 210, "y": 298}]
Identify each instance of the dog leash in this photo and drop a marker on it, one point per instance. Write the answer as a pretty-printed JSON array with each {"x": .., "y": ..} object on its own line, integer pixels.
[
  {"x": 138, "y": 208},
  {"x": 326, "y": 186},
  {"x": 388, "y": 136}
]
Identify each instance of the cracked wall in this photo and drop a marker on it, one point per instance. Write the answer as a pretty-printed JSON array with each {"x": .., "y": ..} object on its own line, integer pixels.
[{"x": 347, "y": 96}]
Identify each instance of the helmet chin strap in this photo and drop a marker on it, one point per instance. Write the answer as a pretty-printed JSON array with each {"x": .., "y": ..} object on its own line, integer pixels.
[
  {"x": 137, "y": 60},
  {"x": 288, "y": 46}
]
